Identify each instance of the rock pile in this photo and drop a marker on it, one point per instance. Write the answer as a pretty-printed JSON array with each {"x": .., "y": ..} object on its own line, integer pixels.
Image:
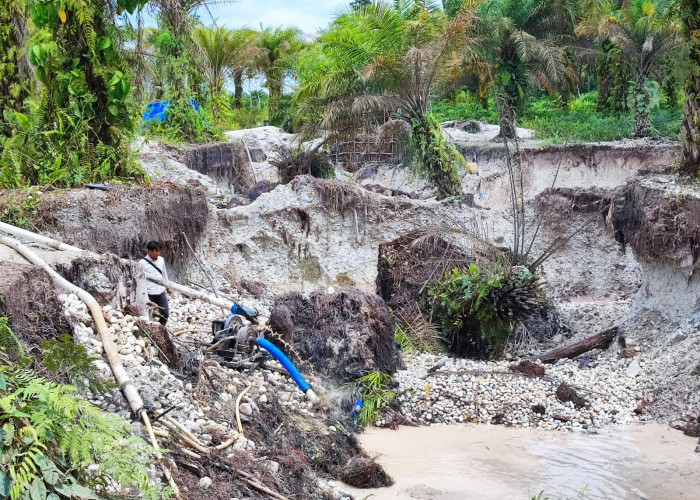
[
  {"x": 469, "y": 391},
  {"x": 206, "y": 412}
]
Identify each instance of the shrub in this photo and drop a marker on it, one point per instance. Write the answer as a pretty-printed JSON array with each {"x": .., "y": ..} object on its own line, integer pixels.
[
  {"x": 466, "y": 106},
  {"x": 477, "y": 308}
]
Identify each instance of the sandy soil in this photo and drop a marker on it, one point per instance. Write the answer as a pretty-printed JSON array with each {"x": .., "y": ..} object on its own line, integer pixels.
[{"x": 495, "y": 462}]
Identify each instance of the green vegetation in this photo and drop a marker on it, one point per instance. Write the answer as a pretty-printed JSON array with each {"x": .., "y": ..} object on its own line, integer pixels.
[
  {"x": 71, "y": 363},
  {"x": 20, "y": 210},
  {"x": 586, "y": 71},
  {"x": 54, "y": 444},
  {"x": 383, "y": 60},
  {"x": 80, "y": 122},
  {"x": 642, "y": 34},
  {"x": 278, "y": 50},
  {"x": 576, "y": 121},
  {"x": 477, "y": 307},
  {"x": 14, "y": 74},
  {"x": 689, "y": 13},
  {"x": 374, "y": 390},
  {"x": 520, "y": 48}
]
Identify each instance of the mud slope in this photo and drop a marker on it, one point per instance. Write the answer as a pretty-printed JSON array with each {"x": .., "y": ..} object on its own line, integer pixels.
[{"x": 122, "y": 220}]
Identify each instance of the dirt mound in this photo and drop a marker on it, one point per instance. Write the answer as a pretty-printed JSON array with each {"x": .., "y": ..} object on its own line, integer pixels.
[
  {"x": 409, "y": 262},
  {"x": 659, "y": 225},
  {"x": 343, "y": 335}
]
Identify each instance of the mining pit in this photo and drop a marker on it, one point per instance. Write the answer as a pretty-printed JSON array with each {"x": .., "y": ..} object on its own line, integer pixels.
[{"x": 328, "y": 266}]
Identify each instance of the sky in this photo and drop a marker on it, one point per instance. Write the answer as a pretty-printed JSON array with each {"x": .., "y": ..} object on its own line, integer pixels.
[{"x": 308, "y": 15}]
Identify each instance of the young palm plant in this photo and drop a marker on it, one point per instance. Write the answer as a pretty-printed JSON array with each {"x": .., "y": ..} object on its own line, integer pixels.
[
  {"x": 384, "y": 60},
  {"x": 644, "y": 35}
]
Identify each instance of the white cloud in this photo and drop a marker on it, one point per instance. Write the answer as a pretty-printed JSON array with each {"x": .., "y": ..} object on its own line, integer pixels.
[{"x": 308, "y": 15}]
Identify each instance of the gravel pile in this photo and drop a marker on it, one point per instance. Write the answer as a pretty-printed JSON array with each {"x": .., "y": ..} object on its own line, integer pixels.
[
  {"x": 473, "y": 391},
  {"x": 162, "y": 388}
]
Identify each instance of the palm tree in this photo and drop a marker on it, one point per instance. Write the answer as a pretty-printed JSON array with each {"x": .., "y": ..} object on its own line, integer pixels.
[
  {"x": 278, "y": 48},
  {"x": 522, "y": 45},
  {"x": 642, "y": 32},
  {"x": 216, "y": 47},
  {"x": 386, "y": 59},
  {"x": 243, "y": 44},
  {"x": 690, "y": 133}
]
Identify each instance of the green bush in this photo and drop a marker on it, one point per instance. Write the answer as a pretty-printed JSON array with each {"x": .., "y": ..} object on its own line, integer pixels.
[
  {"x": 466, "y": 106},
  {"x": 71, "y": 362},
  {"x": 374, "y": 390},
  {"x": 580, "y": 121},
  {"x": 477, "y": 308},
  {"x": 552, "y": 121}
]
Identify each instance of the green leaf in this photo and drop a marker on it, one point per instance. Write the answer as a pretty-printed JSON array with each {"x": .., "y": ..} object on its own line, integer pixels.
[
  {"x": 4, "y": 485},
  {"x": 37, "y": 491},
  {"x": 113, "y": 110},
  {"x": 3, "y": 384},
  {"x": 106, "y": 43},
  {"x": 53, "y": 496},
  {"x": 82, "y": 492},
  {"x": 48, "y": 470}
]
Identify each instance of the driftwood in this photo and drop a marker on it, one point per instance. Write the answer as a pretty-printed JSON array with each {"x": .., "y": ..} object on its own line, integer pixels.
[{"x": 598, "y": 341}]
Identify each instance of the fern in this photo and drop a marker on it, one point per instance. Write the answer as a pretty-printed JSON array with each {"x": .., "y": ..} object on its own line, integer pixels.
[{"x": 52, "y": 440}]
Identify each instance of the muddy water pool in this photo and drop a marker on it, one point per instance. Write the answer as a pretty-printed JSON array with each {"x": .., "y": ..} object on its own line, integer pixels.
[{"x": 484, "y": 462}]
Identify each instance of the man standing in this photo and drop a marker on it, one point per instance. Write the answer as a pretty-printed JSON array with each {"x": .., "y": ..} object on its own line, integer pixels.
[{"x": 154, "y": 266}]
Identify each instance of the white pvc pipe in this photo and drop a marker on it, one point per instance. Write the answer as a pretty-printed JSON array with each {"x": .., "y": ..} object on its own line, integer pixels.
[
  {"x": 110, "y": 347},
  {"x": 37, "y": 238}
]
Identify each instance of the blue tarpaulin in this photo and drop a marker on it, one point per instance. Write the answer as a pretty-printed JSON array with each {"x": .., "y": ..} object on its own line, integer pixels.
[{"x": 157, "y": 111}]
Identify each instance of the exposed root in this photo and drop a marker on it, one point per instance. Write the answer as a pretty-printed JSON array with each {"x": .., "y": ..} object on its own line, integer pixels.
[
  {"x": 566, "y": 393},
  {"x": 528, "y": 368},
  {"x": 363, "y": 472}
]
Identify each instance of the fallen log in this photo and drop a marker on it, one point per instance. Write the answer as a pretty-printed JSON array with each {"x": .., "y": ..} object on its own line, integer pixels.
[{"x": 598, "y": 341}]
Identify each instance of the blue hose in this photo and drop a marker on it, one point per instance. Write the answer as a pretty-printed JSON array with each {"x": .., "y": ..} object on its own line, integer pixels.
[{"x": 288, "y": 365}]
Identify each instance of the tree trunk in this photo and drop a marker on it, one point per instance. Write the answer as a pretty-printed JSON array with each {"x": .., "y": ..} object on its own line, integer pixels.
[
  {"x": 238, "y": 84},
  {"x": 690, "y": 128},
  {"x": 506, "y": 120},
  {"x": 275, "y": 88},
  {"x": 435, "y": 158},
  {"x": 642, "y": 99},
  {"x": 597, "y": 341}
]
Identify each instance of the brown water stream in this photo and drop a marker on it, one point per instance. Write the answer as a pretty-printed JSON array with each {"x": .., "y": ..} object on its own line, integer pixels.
[{"x": 495, "y": 462}]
